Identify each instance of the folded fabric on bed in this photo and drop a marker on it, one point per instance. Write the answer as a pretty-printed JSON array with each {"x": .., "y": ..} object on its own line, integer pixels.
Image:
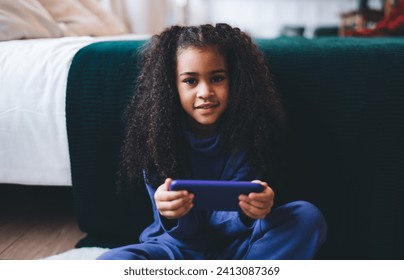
[
  {"x": 101, "y": 80},
  {"x": 33, "y": 138},
  {"x": 33, "y": 80}
]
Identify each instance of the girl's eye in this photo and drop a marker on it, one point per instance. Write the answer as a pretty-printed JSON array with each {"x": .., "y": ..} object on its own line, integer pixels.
[
  {"x": 218, "y": 79},
  {"x": 190, "y": 81}
]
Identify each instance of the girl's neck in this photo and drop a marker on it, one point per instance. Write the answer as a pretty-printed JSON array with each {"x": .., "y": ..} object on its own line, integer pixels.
[{"x": 202, "y": 131}]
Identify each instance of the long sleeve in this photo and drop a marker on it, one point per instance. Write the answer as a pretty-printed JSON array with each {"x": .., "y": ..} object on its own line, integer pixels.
[{"x": 187, "y": 227}]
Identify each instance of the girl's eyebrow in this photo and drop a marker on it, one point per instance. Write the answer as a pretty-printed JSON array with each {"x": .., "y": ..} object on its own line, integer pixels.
[{"x": 196, "y": 73}]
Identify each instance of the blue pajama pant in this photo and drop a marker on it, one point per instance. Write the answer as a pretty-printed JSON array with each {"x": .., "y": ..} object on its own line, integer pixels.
[{"x": 292, "y": 231}]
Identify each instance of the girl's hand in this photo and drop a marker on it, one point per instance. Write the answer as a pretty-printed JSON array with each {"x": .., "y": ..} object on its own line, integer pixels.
[
  {"x": 257, "y": 205},
  {"x": 172, "y": 204}
]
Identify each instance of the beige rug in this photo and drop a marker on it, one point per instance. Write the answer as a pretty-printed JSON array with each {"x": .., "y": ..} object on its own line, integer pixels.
[{"x": 86, "y": 253}]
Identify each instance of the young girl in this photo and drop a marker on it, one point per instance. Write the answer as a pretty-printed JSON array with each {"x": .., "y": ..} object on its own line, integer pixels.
[{"x": 205, "y": 109}]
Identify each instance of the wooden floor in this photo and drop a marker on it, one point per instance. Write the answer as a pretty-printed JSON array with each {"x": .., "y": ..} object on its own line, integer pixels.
[{"x": 36, "y": 222}]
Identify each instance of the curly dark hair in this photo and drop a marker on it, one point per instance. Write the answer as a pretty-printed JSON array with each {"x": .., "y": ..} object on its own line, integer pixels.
[{"x": 154, "y": 136}]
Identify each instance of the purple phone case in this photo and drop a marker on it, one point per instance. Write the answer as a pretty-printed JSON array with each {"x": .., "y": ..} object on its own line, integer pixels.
[{"x": 216, "y": 195}]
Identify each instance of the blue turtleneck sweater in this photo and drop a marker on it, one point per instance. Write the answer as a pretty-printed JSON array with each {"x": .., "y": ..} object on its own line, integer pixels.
[{"x": 204, "y": 231}]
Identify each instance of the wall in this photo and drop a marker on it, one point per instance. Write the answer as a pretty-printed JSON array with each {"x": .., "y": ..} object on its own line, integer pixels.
[
  {"x": 262, "y": 18},
  {"x": 266, "y": 18}
]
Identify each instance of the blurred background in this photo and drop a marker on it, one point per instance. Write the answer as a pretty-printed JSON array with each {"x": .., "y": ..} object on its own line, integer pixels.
[{"x": 261, "y": 18}]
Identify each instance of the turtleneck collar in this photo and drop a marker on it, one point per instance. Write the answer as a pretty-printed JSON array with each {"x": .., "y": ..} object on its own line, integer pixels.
[{"x": 207, "y": 146}]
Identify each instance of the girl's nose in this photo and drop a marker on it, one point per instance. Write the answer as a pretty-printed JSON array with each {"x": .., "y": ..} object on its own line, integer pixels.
[{"x": 204, "y": 91}]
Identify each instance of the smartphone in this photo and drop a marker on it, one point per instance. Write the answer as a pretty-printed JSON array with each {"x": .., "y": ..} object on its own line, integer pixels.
[{"x": 216, "y": 195}]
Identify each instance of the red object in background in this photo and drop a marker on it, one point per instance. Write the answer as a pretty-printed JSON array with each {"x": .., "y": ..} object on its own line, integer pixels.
[{"x": 391, "y": 25}]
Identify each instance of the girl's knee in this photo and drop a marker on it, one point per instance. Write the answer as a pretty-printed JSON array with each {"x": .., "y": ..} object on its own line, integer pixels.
[
  {"x": 306, "y": 212},
  {"x": 294, "y": 230},
  {"x": 301, "y": 214}
]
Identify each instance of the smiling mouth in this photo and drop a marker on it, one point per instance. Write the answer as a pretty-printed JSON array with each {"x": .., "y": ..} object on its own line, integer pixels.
[{"x": 207, "y": 106}]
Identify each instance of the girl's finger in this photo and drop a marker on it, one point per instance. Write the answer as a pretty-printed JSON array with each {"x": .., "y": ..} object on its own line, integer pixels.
[
  {"x": 174, "y": 214},
  {"x": 173, "y": 205},
  {"x": 253, "y": 211}
]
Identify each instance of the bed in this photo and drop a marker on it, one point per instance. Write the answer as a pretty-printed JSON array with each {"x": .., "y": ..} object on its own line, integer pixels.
[{"x": 38, "y": 40}]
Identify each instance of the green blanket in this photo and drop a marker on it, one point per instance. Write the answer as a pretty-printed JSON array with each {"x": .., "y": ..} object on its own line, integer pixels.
[
  {"x": 100, "y": 83},
  {"x": 345, "y": 103}
]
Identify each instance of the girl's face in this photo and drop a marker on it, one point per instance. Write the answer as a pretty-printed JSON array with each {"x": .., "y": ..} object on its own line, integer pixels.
[{"x": 203, "y": 87}]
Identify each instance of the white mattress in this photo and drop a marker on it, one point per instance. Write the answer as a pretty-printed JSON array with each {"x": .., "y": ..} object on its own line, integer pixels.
[{"x": 33, "y": 137}]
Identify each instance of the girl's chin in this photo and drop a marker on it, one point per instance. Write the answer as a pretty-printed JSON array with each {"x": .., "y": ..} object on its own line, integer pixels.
[{"x": 207, "y": 123}]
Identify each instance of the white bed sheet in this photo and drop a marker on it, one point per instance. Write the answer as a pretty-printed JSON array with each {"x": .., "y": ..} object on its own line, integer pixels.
[{"x": 33, "y": 137}]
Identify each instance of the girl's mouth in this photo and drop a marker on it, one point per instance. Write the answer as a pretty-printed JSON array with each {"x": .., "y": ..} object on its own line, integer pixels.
[{"x": 209, "y": 105}]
